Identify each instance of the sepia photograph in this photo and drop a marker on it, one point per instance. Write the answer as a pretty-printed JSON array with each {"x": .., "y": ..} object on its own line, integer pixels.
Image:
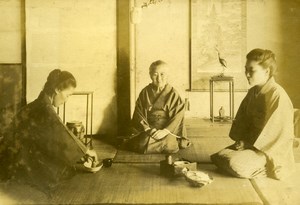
[{"x": 141, "y": 102}]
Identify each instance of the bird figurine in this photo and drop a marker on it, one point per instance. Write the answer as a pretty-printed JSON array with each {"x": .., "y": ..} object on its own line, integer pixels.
[
  {"x": 221, "y": 113},
  {"x": 222, "y": 62}
]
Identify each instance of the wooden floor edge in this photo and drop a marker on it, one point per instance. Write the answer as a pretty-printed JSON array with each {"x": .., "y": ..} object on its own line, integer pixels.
[{"x": 259, "y": 193}]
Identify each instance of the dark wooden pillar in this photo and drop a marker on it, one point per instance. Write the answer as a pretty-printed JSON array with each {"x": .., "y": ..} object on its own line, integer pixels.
[
  {"x": 23, "y": 52},
  {"x": 123, "y": 65}
]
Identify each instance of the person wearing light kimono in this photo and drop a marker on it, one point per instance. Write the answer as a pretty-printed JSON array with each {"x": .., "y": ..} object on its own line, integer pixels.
[
  {"x": 39, "y": 149},
  {"x": 158, "y": 120},
  {"x": 263, "y": 127}
]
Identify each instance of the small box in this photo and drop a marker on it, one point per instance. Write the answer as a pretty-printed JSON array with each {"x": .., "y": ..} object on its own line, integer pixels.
[
  {"x": 166, "y": 169},
  {"x": 179, "y": 165},
  {"x": 175, "y": 169}
]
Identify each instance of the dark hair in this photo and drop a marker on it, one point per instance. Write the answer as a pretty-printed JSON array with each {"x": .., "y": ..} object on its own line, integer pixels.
[
  {"x": 60, "y": 80},
  {"x": 265, "y": 58},
  {"x": 155, "y": 64}
]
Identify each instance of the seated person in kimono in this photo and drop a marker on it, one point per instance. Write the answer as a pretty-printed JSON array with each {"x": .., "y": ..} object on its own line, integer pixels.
[
  {"x": 263, "y": 127},
  {"x": 158, "y": 119},
  {"x": 40, "y": 150}
]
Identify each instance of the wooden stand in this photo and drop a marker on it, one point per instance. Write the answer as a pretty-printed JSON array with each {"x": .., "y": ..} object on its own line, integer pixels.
[
  {"x": 230, "y": 80},
  {"x": 89, "y": 106}
]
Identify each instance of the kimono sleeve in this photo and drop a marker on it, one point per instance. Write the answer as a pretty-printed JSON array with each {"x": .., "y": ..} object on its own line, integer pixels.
[
  {"x": 140, "y": 113},
  {"x": 279, "y": 125},
  {"x": 240, "y": 127},
  {"x": 53, "y": 139},
  {"x": 176, "y": 111},
  {"x": 276, "y": 139}
]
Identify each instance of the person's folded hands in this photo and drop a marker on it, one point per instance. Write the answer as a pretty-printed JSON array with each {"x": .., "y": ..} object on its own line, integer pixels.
[
  {"x": 239, "y": 145},
  {"x": 151, "y": 131},
  {"x": 242, "y": 145},
  {"x": 160, "y": 134}
]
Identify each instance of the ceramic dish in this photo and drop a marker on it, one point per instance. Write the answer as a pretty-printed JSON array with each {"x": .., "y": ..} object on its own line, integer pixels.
[
  {"x": 197, "y": 178},
  {"x": 88, "y": 167}
]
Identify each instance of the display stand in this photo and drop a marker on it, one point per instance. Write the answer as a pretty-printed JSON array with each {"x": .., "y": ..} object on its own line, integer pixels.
[
  {"x": 230, "y": 81},
  {"x": 89, "y": 106}
]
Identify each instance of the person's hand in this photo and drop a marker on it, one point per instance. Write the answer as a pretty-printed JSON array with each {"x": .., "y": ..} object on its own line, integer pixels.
[
  {"x": 160, "y": 134},
  {"x": 92, "y": 154},
  {"x": 239, "y": 145},
  {"x": 89, "y": 156},
  {"x": 151, "y": 131}
]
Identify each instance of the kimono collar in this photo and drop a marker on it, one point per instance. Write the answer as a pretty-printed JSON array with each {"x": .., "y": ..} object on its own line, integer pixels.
[
  {"x": 167, "y": 88},
  {"x": 157, "y": 99},
  {"x": 45, "y": 99},
  {"x": 266, "y": 87},
  {"x": 156, "y": 89}
]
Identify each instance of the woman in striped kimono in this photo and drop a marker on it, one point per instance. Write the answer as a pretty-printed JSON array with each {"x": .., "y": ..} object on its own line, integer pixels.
[{"x": 158, "y": 119}]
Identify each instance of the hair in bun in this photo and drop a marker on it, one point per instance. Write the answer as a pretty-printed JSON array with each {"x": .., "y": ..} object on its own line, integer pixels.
[
  {"x": 60, "y": 80},
  {"x": 265, "y": 58}
]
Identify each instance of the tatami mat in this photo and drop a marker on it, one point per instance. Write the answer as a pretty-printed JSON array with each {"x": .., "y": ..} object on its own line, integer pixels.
[
  {"x": 142, "y": 184},
  {"x": 135, "y": 179},
  {"x": 204, "y": 127},
  {"x": 14, "y": 193},
  {"x": 104, "y": 150},
  {"x": 200, "y": 151},
  {"x": 274, "y": 192}
]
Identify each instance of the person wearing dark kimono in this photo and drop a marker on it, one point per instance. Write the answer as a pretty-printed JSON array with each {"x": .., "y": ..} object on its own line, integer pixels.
[
  {"x": 158, "y": 119},
  {"x": 40, "y": 150},
  {"x": 263, "y": 127}
]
